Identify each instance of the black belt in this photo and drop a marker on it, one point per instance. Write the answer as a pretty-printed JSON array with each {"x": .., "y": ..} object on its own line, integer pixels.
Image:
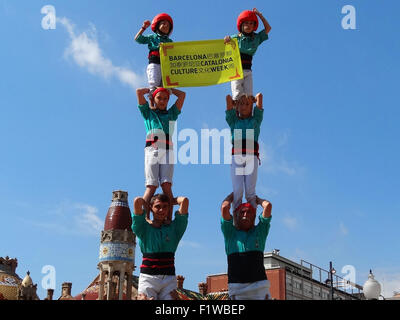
[
  {"x": 153, "y": 139},
  {"x": 244, "y": 267},
  {"x": 246, "y": 148},
  {"x": 154, "y": 57},
  {"x": 159, "y": 263},
  {"x": 246, "y": 61}
]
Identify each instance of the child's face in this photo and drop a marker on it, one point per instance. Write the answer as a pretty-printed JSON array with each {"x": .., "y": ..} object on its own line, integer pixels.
[
  {"x": 164, "y": 26},
  {"x": 248, "y": 26},
  {"x": 245, "y": 107},
  {"x": 160, "y": 210},
  {"x": 161, "y": 100}
]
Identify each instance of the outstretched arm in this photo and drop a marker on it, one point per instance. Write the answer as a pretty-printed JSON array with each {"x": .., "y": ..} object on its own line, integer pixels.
[
  {"x": 181, "y": 98},
  {"x": 226, "y": 207},
  {"x": 140, "y": 95},
  {"x": 183, "y": 203},
  {"x": 145, "y": 25},
  {"x": 267, "y": 27},
  {"x": 267, "y": 206}
]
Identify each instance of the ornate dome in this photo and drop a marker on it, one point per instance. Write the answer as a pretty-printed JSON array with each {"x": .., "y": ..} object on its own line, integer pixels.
[
  {"x": 27, "y": 280},
  {"x": 9, "y": 280},
  {"x": 118, "y": 215}
]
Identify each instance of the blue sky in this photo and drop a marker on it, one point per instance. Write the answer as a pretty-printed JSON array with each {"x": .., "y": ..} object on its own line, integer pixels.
[{"x": 70, "y": 133}]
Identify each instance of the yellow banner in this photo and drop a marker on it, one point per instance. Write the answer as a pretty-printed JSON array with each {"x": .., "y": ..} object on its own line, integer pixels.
[{"x": 199, "y": 63}]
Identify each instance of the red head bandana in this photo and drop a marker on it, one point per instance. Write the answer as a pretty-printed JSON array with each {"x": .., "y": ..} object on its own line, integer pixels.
[
  {"x": 246, "y": 205},
  {"x": 160, "y": 90}
]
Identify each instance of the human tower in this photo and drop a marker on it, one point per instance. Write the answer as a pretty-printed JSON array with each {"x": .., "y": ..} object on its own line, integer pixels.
[{"x": 159, "y": 234}]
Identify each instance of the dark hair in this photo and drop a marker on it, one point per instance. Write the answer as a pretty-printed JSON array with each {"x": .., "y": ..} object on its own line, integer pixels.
[{"x": 161, "y": 197}]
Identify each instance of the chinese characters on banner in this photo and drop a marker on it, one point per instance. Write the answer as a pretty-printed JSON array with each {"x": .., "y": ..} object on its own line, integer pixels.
[{"x": 199, "y": 63}]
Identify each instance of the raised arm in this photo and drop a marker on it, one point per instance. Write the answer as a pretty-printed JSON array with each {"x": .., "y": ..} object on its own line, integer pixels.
[
  {"x": 181, "y": 98},
  {"x": 183, "y": 203},
  {"x": 267, "y": 27},
  {"x": 259, "y": 101},
  {"x": 229, "y": 102},
  {"x": 145, "y": 25},
  {"x": 267, "y": 206},
  {"x": 226, "y": 207},
  {"x": 138, "y": 205},
  {"x": 140, "y": 95}
]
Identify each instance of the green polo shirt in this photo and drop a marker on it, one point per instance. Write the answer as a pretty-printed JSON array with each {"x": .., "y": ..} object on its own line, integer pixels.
[
  {"x": 249, "y": 44},
  {"x": 242, "y": 241},
  {"x": 163, "y": 239},
  {"x": 153, "y": 41},
  {"x": 253, "y": 122},
  {"x": 156, "y": 120}
]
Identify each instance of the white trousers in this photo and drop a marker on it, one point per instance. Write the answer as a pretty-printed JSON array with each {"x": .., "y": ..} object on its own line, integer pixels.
[
  {"x": 244, "y": 169},
  {"x": 157, "y": 286},
  {"x": 158, "y": 166},
  {"x": 154, "y": 77},
  {"x": 249, "y": 291},
  {"x": 242, "y": 86}
]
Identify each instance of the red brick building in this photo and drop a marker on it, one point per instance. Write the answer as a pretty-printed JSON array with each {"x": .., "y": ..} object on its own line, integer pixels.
[{"x": 292, "y": 281}]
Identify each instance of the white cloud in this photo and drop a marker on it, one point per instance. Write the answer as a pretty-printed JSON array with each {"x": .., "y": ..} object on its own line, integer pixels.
[
  {"x": 290, "y": 223},
  {"x": 71, "y": 219},
  {"x": 265, "y": 192},
  {"x": 86, "y": 52},
  {"x": 190, "y": 244},
  {"x": 272, "y": 163},
  {"x": 87, "y": 219},
  {"x": 390, "y": 282},
  {"x": 343, "y": 229},
  {"x": 283, "y": 139}
]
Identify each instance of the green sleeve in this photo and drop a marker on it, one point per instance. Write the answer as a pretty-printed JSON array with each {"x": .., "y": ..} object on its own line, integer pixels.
[
  {"x": 144, "y": 110},
  {"x": 231, "y": 117},
  {"x": 139, "y": 224},
  {"x": 143, "y": 39},
  {"x": 263, "y": 227},
  {"x": 262, "y": 36},
  {"x": 180, "y": 224},
  {"x": 173, "y": 113},
  {"x": 227, "y": 227},
  {"x": 258, "y": 115}
]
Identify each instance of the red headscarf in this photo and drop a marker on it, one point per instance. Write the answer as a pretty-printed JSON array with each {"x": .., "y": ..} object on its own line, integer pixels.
[
  {"x": 246, "y": 205},
  {"x": 160, "y": 90}
]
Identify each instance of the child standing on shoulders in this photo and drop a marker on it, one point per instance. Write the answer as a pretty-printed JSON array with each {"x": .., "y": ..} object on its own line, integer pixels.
[
  {"x": 248, "y": 40},
  {"x": 162, "y": 26},
  {"x": 245, "y": 126},
  {"x": 159, "y": 124}
]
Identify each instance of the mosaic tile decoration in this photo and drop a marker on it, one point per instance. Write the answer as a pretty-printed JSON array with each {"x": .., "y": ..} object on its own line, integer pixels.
[{"x": 116, "y": 251}]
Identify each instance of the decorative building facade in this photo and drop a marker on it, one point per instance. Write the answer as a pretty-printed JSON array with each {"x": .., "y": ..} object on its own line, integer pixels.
[
  {"x": 12, "y": 287},
  {"x": 117, "y": 251}
]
